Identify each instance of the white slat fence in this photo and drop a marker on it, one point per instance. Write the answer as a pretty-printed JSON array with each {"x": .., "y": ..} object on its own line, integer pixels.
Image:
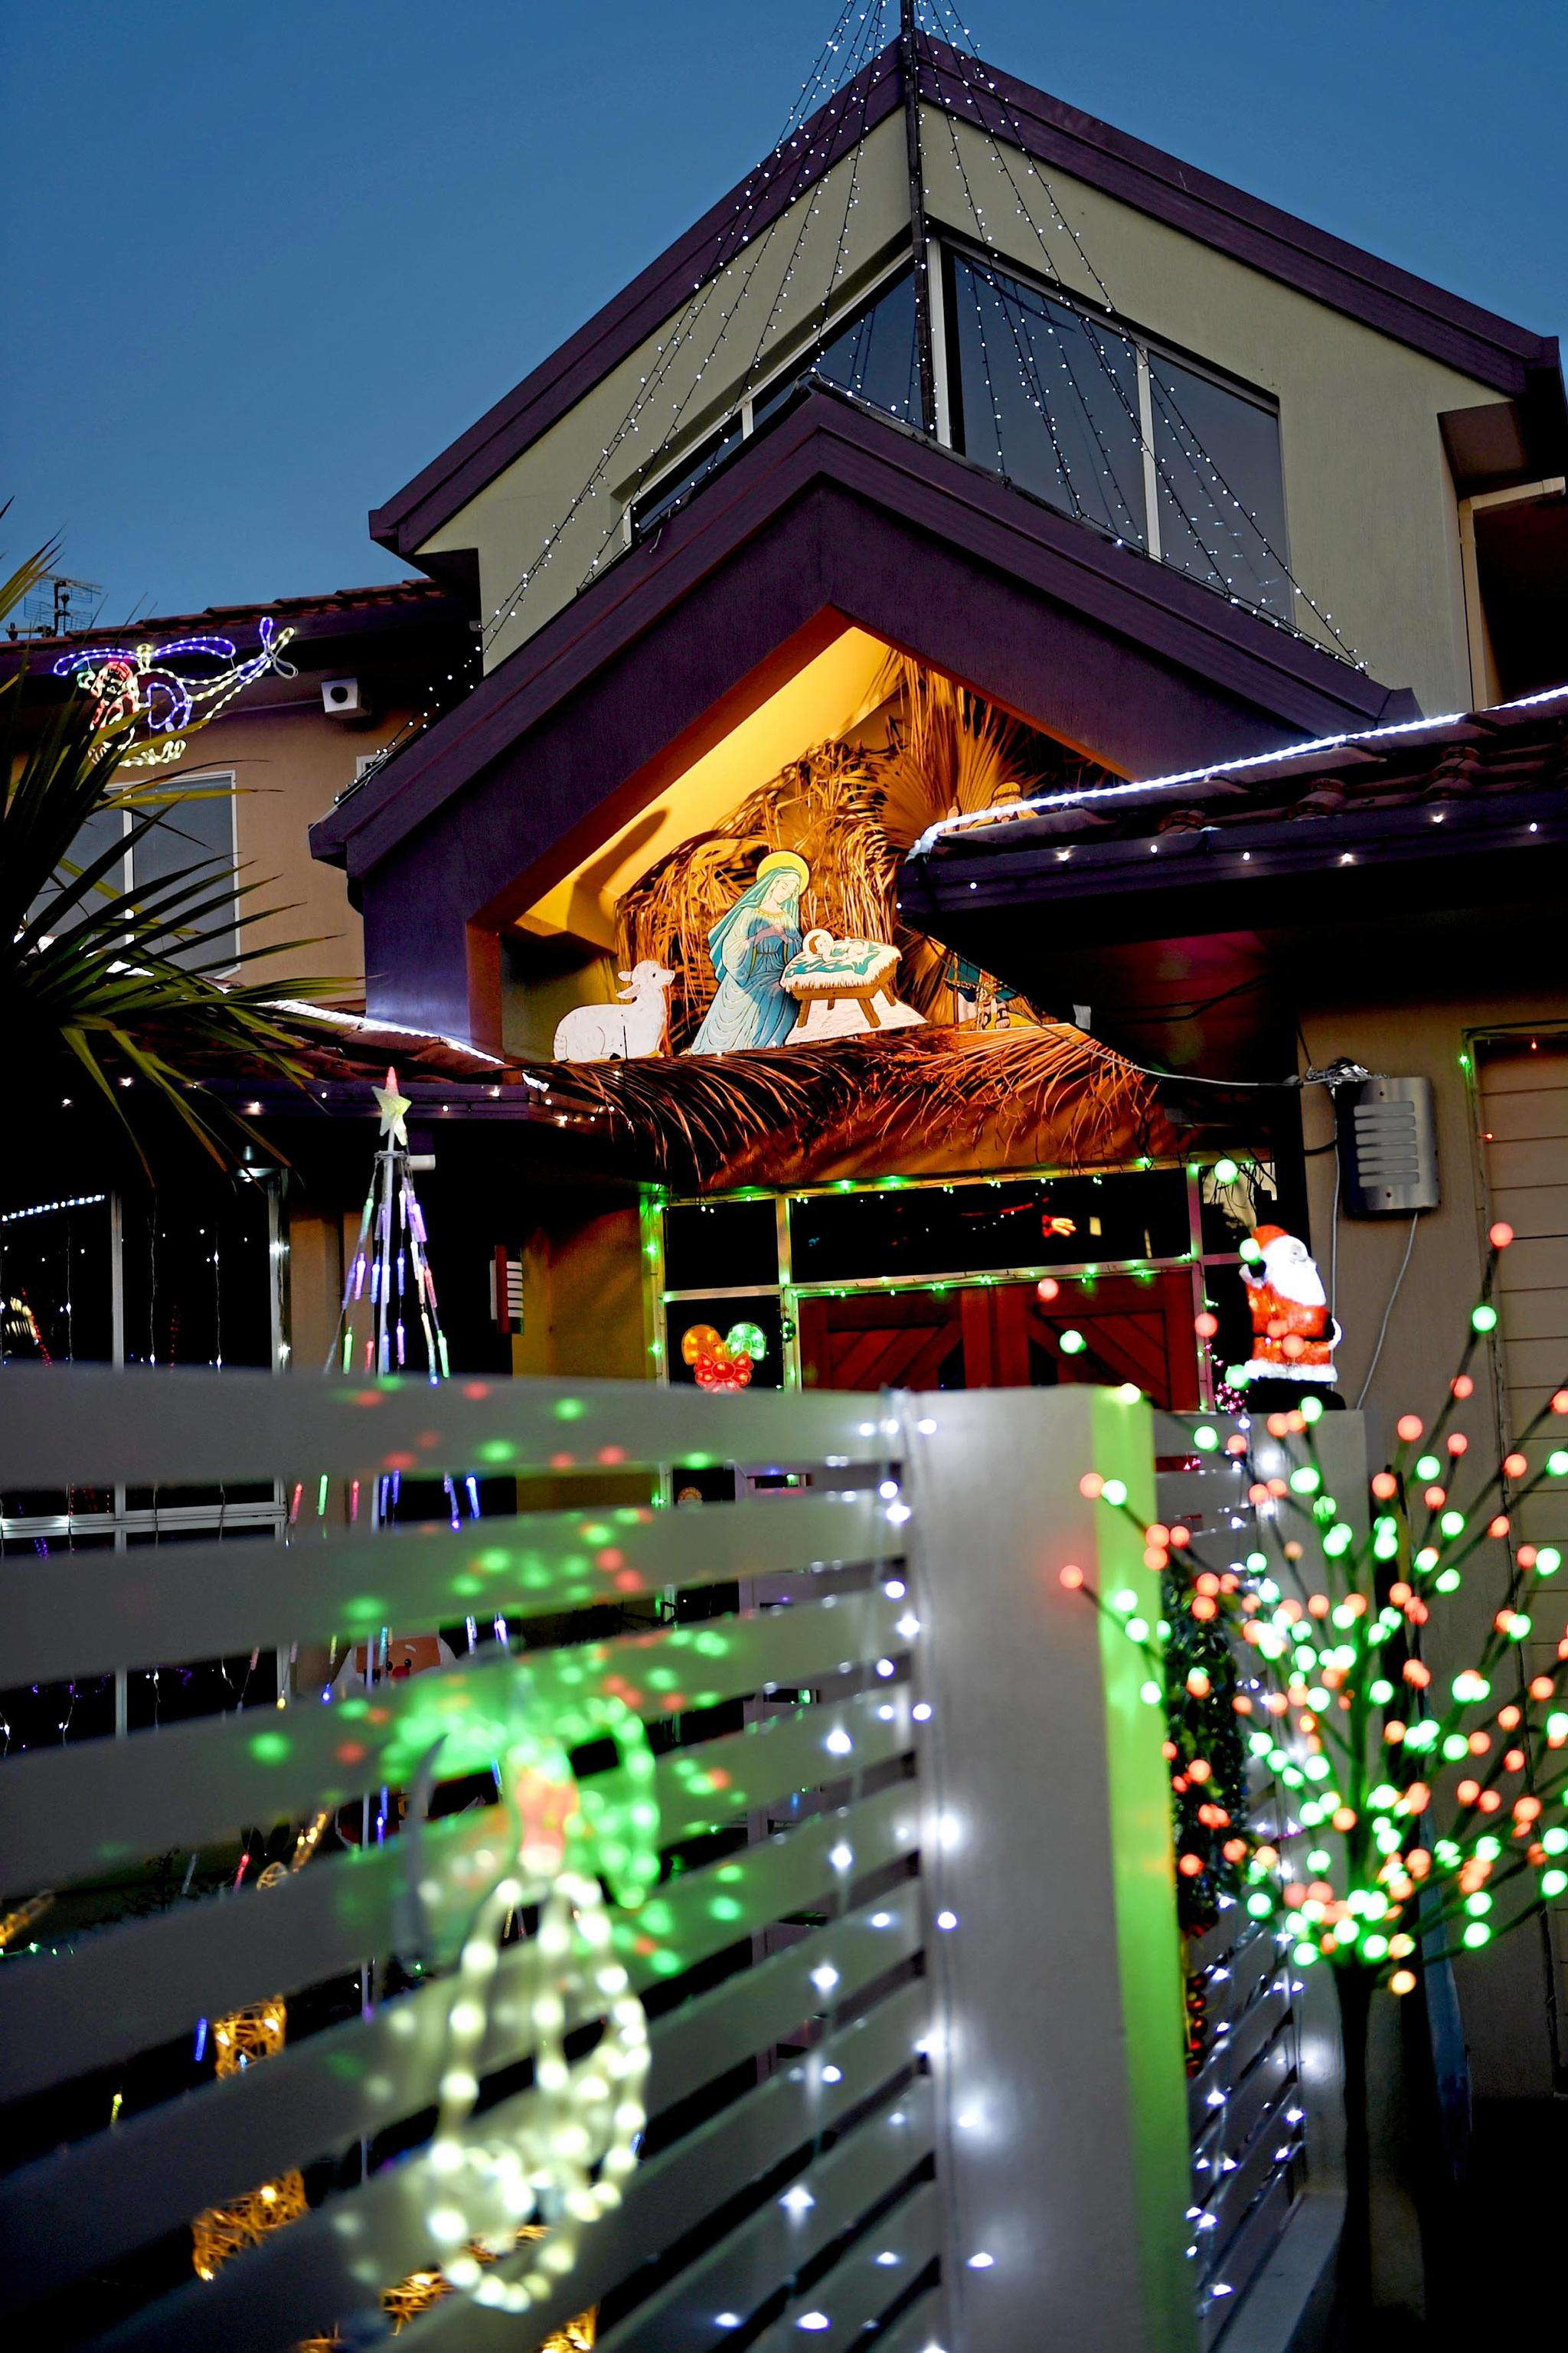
[{"x": 910, "y": 1975}]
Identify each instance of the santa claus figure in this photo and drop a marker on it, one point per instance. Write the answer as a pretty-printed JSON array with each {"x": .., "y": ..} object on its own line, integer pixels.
[{"x": 1293, "y": 1334}]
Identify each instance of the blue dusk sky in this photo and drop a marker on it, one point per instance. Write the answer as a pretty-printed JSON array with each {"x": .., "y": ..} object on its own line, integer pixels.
[{"x": 261, "y": 264}]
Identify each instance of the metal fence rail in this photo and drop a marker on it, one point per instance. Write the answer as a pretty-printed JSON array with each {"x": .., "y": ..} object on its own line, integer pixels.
[{"x": 891, "y": 2074}]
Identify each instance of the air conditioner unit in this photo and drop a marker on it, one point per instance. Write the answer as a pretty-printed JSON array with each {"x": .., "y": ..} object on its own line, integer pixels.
[
  {"x": 1388, "y": 1147},
  {"x": 341, "y": 698}
]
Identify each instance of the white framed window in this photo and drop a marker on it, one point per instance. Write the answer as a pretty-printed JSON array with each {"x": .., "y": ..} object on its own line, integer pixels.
[
  {"x": 1150, "y": 445},
  {"x": 198, "y": 832}
]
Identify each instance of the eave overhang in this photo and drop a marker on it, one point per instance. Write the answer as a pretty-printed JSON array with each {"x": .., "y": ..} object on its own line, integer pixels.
[
  {"x": 836, "y": 516},
  {"x": 1186, "y": 867}
]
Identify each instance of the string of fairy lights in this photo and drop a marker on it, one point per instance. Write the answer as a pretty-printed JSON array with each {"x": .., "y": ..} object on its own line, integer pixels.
[
  {"x": 1071, "y": 797},
  {"x": 860, "y": 58},
  {"x": 815, "y": 109},
  {"x": 867, "y": 81},
  {"x": 1428, "y": 1814},
  {"x": 1227, "y": 547},
  {"x": 970, "y": 68}
]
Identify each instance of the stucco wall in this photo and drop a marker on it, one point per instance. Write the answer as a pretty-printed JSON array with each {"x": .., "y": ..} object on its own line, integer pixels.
[
  {"x": 1414, "y": 1013},
  {"x": 1371, "y": 522},
  {"x": 770, "y": 298}
]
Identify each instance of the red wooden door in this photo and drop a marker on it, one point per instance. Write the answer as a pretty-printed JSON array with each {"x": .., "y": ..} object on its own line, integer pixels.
[{"x": 1000, "y": 1336}]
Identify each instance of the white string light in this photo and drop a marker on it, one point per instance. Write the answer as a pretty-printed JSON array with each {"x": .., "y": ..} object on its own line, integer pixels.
[
  {"x": 963, "y": 59},
  {"x": 42, "y": 1208},
  {"x": 1073, "y": 796}
]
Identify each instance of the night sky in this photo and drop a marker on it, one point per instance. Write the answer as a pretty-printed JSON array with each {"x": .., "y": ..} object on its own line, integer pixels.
[{"x": 262, "y": 264}]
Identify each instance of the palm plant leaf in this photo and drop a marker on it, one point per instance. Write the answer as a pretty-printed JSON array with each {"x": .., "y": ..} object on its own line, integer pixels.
[{"x": 118, "y": 984}]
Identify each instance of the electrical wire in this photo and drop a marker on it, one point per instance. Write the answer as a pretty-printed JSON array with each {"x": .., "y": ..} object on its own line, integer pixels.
[
  {"x": 1382, "y": 1328},
  {"x": 1339, "y": 1073}
]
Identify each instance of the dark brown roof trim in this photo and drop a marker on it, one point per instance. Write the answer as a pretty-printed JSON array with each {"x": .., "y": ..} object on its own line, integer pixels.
[
  {"x": 514, "y": 424},
  {"x": 1477, "y": 343},
  {"x": 939, "y": 500},
  {"x": 1393, "y": 301},
  {"x": 1435, "y": 799}
]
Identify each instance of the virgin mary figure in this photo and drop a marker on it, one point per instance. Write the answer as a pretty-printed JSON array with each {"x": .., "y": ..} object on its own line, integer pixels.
[{"x": 750, "y": 947}]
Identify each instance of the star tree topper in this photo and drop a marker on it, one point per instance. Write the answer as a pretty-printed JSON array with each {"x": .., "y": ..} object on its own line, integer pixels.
[{"x": 392, "y": 1107}]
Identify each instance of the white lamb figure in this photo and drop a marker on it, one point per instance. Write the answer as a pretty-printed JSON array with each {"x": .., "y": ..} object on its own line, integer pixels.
[{"x": 607, "y": 1033}]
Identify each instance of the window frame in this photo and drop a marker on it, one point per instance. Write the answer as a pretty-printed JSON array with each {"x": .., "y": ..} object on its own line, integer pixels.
[
  {"x": 945, "y": 247},
  {"x": 836, "y": 323},
  {"x": 1199, "y": 1261},
  {"x": 955, "y": 246},
  {"x": 204, "y": 777}
]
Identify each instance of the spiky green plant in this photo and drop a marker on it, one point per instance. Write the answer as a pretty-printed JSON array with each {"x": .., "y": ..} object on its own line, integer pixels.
[{"x": 109, "y": 986}]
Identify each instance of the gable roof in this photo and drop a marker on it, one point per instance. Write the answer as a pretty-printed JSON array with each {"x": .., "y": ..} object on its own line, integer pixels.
[
  {"x": 833, "y": 516},
  {"x": 1492, "y": 351}
]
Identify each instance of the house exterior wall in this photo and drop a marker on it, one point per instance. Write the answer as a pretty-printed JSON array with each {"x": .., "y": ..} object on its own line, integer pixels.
[
  {"x": 1420, "y": 1012},
  {"x": 781, "y": 280},
  {"x": 1370, "y": 506},
  {"x": 290, "y": 762},
  {"x": 1372, "y": 515}
]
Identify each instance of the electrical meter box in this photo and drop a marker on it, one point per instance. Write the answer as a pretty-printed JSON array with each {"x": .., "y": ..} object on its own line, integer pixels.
[{"x": 1388, "y": 1147}]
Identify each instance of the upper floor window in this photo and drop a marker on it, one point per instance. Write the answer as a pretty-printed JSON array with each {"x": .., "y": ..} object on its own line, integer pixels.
[
  {"x": 1110, "y": 429},
  {"x": 197, "y": 832},
  {"x": 873, "y": 358},
  {"x": 1049, "y": 398},
  {"x": 1094, "y": 420}
]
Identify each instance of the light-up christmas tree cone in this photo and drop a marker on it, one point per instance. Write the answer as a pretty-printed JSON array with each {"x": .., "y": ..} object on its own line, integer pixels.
[
  {"x": 389, "y": 1320},
  {"x": 389, "y": 1277},
  {"x": 1429, "y": 1819}
]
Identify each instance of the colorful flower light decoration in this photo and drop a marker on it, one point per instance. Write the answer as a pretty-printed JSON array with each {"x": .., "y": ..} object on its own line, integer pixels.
[
  {"x": 1429, "y": 1819},
  {"x": 727, "y": 1362}
]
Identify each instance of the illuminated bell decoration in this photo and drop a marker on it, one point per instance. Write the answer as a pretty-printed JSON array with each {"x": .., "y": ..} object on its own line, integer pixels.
[{"x": 570, "y": 2157}]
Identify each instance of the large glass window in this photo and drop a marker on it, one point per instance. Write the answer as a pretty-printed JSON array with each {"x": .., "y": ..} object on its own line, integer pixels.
[
  {"x": 873, "y": 359},
  {"x": 1049, "y": 399},
  {"x": 196, "y": 833},
  {"x": 1105, "y": 428},
  {"x": 186, "y": 835},
  {"x": 1222, "y": 502},
  {"x": 1083, "y": 415}
]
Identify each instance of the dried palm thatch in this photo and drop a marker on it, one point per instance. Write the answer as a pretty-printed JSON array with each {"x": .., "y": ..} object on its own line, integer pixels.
[
  {"x": 1039, "y": 1096},
  {"x": 851, "y": 811},
  {"x": 825, "y": 808}
]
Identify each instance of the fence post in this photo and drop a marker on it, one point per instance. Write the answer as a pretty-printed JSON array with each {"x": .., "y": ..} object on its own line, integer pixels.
[{"x": 1048, "y": 1877}]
